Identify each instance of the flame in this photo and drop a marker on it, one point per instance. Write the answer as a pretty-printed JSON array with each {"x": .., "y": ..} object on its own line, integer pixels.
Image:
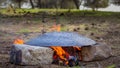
[
  {"x": 76, "y": 48},
  {"x": 56, "y": 27},
  {"x": 18, "y": 41},
  {"x": 60, "y": 53},
  {"x": 65, "y": 53}
]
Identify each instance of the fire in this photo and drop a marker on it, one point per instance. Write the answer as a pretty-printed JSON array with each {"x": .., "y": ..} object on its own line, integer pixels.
[
  {"x": 64, "y": 55},
  {"x": 76, "y": 48},
  {"x": 56, "y": 27},
  {"x": 60, "y": 53},
  {"x": 18, "y": 41}
]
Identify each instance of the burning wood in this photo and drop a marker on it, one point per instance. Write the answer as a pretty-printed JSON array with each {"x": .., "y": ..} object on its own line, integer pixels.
[
  {"x": 78, "y": 50},
  {"x": 66, "y": 54},
  {"x": 60, "y": 53}
]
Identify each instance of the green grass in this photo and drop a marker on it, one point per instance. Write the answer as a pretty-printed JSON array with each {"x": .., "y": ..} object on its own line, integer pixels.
[
  {"x": 73, "y": 12},
  {"x": 111, "y": 66},
  {"x": 64, "y": 28},
  {"x": 24, "y": 31}
]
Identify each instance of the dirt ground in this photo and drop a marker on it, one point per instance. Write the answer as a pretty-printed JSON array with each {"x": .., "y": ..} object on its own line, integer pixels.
[{"x": 101, "y": 29}]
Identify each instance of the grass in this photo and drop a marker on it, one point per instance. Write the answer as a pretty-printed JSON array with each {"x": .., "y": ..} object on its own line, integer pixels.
[
  {"x": 24, "y": 31},
  {"x": 111, "y": 66},
  {"x": 73, "y": 12},
  {"x": 64, "y": 28}
]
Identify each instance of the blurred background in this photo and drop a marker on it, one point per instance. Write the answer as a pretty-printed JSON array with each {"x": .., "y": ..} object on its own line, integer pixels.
[{"x": 101, "y": 5}]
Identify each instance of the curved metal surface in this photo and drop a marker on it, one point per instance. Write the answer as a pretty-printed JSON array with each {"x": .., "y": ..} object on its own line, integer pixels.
[{"x": 61, "y": 39}]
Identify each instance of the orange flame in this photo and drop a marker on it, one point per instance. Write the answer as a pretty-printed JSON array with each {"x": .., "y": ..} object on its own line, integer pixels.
[
  {"x": 76, "y": 47},
  {"x": 56, "y": 27},
  {"x": 64, "y": 54},
  {"x": 18, "y": 41},
  {"x": 61, "y": 53}
]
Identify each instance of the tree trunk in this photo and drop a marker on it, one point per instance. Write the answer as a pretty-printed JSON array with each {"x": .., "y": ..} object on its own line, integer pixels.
[
  {"x": 19, "y": 4},
  {"x": 61, "y": 3},
  {"x": 76, "y": 3},
  {"x": 39, "y": 4},
  {"x": 32, "y": 4}
]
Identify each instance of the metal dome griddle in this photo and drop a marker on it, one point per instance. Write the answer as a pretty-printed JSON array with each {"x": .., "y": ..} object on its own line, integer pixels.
[{"x": 61, "y": 39}]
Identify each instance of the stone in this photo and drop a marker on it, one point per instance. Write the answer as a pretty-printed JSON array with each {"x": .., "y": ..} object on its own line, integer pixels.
[
  {"x": 31, "y": 55},
  {"x": 99, "y": 51}
]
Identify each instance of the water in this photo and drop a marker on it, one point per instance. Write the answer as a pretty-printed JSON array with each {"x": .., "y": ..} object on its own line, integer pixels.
[{"x": 111, "y": 7}]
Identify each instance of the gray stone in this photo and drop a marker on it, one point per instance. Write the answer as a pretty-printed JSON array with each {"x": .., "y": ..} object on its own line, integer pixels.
[
  {"x": 98, "y": 52},
  {"x": 31, "y": 55}
]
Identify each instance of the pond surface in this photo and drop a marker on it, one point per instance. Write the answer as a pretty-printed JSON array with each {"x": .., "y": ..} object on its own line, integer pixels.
[{"x": 111, "y": 7}]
